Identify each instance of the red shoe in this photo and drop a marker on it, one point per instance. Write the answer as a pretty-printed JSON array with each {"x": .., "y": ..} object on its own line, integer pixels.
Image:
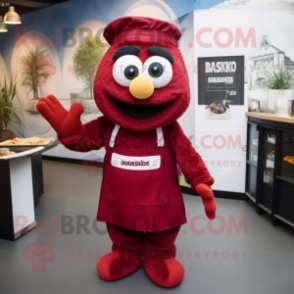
[
  {"x": 116, "y": 265},
  {"x": 166, "y": 273}
]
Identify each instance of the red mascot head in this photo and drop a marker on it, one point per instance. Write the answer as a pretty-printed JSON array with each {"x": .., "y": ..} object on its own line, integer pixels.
[{"x": 141, "y": 82}]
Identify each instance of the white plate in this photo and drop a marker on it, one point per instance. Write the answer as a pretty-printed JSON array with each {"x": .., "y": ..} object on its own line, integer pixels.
[{"x": 222, "y": 116}]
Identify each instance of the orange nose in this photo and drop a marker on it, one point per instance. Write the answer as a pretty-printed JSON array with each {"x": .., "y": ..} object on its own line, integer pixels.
[{"x": 141, "y": 87}]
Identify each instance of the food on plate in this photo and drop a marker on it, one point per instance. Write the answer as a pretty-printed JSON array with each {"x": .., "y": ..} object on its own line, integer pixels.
[
  {"x": 28, "y": 141},
  {"x": 5, "y": 152},
  {"x": 217, "y": 107}
]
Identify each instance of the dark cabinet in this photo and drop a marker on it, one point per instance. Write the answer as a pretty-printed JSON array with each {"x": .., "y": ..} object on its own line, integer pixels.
[
  {"x": 267, "y": 167},
  {"x": 252, "y": 160},
  {"x": 270, "y": 168}
]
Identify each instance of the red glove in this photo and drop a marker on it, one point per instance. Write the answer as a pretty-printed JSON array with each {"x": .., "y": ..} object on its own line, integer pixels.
[
  {"x": 65, "y": 123},
  {"x": 206, "y": 194}
]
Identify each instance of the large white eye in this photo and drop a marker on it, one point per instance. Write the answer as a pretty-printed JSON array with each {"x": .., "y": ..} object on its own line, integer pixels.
[
  {"x": 126, "y": 68},
  {"x": 159, "y": 70}
]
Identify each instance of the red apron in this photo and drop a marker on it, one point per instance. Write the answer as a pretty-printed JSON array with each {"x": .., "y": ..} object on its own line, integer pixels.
[{"x": 140, "y": 189}]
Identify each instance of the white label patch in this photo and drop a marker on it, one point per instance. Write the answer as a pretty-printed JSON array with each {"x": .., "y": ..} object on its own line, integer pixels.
[{"x": 136, "y": 162}]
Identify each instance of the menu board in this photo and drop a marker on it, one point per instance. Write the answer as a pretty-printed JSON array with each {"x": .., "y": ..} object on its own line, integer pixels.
[{"x": 221, "y": 79}]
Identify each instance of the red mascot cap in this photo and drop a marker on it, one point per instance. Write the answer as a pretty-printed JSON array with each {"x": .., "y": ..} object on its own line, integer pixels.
[{"x": 141, "y": 29}]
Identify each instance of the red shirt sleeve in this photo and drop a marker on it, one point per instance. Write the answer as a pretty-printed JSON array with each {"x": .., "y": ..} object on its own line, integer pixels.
[
  {"x": 190, "y": 162},
  {"x": 90, "y": 136}
]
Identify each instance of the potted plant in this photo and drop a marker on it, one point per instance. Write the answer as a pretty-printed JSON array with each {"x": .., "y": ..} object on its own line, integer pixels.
[
  {"x": 279, "y": 84},
  {"x": 8, "y": 110},
  {"x": 86, "y": 60},
  {"x": 37, "y": 69}
]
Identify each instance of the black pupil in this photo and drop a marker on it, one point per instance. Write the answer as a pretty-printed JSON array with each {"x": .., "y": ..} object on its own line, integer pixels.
[
  {"x": 155, "y": 69},
  {"x": 131, "y": 72}
]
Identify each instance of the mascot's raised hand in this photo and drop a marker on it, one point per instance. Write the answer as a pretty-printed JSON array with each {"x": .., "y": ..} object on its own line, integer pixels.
[{"x": 65, "y": 123}]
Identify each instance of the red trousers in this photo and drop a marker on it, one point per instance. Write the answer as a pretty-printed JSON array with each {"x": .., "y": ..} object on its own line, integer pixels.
[{"x": 146, "y": 247}]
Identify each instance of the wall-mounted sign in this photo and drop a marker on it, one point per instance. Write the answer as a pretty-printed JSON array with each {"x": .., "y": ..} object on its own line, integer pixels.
[{"x": 221, "y": 80}]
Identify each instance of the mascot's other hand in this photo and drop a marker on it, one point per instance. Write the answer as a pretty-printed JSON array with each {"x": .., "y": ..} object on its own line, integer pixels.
[
  {"x": 207, "y": 196},
  {"x": 65, "y": 123}
]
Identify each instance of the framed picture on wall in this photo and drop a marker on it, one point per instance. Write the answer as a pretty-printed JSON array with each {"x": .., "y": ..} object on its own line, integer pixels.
[{"x": 221, "y": 80}]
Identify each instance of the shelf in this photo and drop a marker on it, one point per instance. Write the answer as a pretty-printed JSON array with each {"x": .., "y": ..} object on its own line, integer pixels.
[
  {"x": 271, "y": 140},
  {"x": 252, "y": 163},
  {"x": 287, "y": 153},
  {"x": 285, "y": 180},
  {"x": 273, "y": 117},
  {"x": 288, "y": 136}
]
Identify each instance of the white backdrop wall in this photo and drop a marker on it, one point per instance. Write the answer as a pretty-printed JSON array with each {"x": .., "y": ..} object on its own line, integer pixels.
[{"x": 233, "y": 32}]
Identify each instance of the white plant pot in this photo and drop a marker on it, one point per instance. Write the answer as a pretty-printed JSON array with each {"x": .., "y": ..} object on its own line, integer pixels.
[
  {"x": 90, "y": 106},
  {"x": 272, "y": 97},
  {"x": 282, "y": 102},
  {"x": 278, "y": 95}
]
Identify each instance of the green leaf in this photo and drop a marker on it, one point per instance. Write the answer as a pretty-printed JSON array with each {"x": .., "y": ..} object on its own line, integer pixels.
[
  {"x": 276, "y": 79},
  {"x": 8, "y": 109},
  {"x": 28, "y": 79},
  {"x": 86, "y": 60}
]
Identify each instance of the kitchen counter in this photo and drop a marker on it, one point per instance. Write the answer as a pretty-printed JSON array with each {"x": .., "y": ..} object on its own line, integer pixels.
[
  {"x": 21, "y": 185},
  {"x": 270, "y": 170},
  {"x": 273, "y": 117}
]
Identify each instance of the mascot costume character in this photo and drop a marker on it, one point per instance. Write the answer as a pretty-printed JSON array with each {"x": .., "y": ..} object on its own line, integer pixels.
[{"x": 142, "y": 88}]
